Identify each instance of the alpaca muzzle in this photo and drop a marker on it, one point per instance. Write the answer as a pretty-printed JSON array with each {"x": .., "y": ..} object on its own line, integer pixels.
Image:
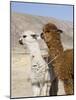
[{"x": 20, "y": 42}]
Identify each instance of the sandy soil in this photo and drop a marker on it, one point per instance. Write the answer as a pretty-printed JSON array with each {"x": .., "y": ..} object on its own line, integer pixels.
[{"x": 21, "y": 86}]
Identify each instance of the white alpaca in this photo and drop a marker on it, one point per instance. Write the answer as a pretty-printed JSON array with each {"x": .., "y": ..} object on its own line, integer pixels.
[{"x": 40, "y": 77}]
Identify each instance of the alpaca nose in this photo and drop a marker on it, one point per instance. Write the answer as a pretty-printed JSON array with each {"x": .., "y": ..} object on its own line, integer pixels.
[{"x": 20, "y": 41}]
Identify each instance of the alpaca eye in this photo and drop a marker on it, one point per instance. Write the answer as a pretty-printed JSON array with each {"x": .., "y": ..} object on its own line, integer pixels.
[
  {"x": 24, "y": 36},
  {"x": 48, "y": 31},
  {"x": 34, "y": 36}
]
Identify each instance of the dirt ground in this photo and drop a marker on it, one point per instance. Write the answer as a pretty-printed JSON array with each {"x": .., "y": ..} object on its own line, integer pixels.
[{"x": 21, "y": 86}]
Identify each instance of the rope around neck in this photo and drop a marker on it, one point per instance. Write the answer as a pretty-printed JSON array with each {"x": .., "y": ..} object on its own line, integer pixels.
[{"x": 52, "y": 59}]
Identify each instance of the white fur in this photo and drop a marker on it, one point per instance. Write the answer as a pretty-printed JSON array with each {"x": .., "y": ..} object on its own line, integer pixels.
[
  {"x": 61, "y": 90},
  {"x": 39, "y": 75}
]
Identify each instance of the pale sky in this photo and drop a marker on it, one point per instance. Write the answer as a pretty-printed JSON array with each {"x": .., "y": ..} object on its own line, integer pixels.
[{"x": 62, "y": 12}]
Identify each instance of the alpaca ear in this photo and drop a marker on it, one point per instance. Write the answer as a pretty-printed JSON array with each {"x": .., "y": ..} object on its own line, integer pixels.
[
  {"x": 41, "y": 35},
  {"x": 59, "y": 31}
]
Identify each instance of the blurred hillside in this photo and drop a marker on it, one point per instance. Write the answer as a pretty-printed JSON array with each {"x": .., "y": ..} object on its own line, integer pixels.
[{"x": 23, "y": 22}]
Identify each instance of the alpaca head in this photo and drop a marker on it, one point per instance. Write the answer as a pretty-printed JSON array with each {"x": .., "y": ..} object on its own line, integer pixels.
[
  {"x": 50, "y": 31},
  {"x": 27, "y": 36}
]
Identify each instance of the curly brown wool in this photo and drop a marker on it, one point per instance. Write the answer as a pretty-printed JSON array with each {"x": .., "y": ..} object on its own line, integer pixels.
[{"x": 63, "y": 64}]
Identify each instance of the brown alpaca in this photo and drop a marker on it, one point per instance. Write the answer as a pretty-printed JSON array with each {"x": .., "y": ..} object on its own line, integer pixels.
[
  {"x": 68, "y": 85},
  {"x": 63, "y": 63}
]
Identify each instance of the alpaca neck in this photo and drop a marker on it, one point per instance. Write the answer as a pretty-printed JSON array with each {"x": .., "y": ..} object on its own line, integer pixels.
[{"x": 55, "y": 47}]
